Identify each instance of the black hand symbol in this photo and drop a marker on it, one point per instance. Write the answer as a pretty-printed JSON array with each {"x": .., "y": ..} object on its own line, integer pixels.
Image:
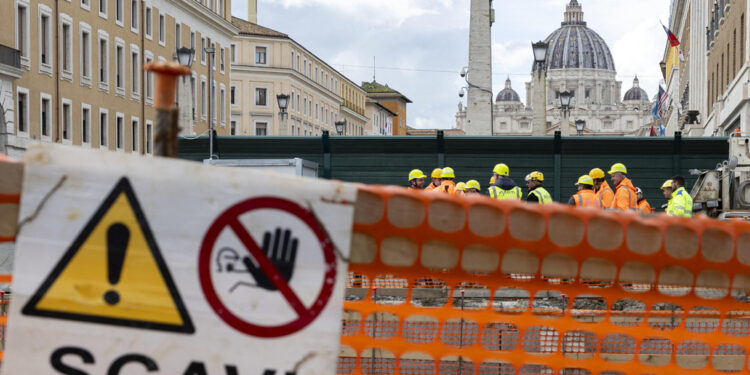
[{"x": 281, "y": 250}]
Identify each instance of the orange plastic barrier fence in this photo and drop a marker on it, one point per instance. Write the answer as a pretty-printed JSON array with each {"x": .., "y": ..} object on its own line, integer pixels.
[{"x": 460, "y": 285}]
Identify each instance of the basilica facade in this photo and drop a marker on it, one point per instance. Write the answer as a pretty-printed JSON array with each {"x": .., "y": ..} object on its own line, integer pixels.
[{"x": 578, "y": 61}]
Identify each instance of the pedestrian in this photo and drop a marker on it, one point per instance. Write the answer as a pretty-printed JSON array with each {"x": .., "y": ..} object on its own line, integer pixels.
[
  {"x": 625, "y": 197},
  {"x": 447, "y": 185},
  {"x": 585, "y": 197},
  {"x": 537, "y": 194},
  {"x": 416, "y": 179},
  {"x": 461, "y": 188},
  {"x": 643, "y": 204},
  {"x": 604, "y": 193},
  {"x": 682, "y": 202},
  {"x": 666, "y": 188},
  {"x": 435, "y": 179},
  {"x": 503, "y": 186},
  {"x": 472, "y": 187}
]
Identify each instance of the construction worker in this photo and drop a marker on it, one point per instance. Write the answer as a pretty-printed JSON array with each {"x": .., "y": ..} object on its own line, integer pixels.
[
  {"x": 682, "y": 202},
  {"x": 461, "y": 188},
  {"x": 492, "y": 179},
  {"x": 472, "y": 187},
  {"x": 416, "y": 180},
  {"x": 585, "y": 197},
  {"x": 537, "y": 194},
  {"x": 666, "y": 188},
  {"x": 625, "y": 197},
  {"x": 446, "y": 181},
  {"x": 604, "y": 193},
  {"x": 435, "y": 176},
  {"x": 643, "y": 204},
  {"x": 503, "y": 187}
]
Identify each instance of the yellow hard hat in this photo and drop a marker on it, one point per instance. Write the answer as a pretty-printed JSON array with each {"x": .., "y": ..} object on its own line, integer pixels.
[
  {"x": 667, "y": 185},
  {"x": 501, "y": 169},
  {"x": 415, "y": 174},
  {"x": 535, "y": 176},
  {"x": 461, "y": 186},
  {"x": 492, "y": 180},
  {"x": 448, "y": 173},
  {"x": 473, "y": 184},
  {"x": 619, "y": 167},
  {"x": 585, "y": 180},
  {"x": 436, "y": 173},
  {"x": 596, "y": 173}
]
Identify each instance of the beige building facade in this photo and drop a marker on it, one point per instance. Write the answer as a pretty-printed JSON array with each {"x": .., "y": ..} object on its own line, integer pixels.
[
  {"x": 380, "y": 118},
  {"x": 83, "y": 81},
  {"x": 266, "y": 63}
]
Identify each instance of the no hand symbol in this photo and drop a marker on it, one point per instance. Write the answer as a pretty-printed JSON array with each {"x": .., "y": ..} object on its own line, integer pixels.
[{"x": 273, "y": 267}]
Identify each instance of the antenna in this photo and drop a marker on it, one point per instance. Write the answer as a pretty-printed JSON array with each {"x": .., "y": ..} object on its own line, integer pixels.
[{"x": 373, "y": 69}]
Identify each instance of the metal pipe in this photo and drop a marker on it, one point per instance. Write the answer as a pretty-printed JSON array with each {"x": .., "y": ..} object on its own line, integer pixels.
[{"x": 211, "y": 104}]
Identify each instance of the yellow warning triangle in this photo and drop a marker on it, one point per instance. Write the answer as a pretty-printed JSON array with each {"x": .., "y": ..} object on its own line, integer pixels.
[{"x": 113, "y": 273}]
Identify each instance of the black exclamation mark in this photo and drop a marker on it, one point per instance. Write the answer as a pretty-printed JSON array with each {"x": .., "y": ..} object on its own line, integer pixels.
[{"x": 118, "y": 236}]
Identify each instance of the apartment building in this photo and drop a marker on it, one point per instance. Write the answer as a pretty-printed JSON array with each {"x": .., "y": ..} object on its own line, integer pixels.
[
  {"x": 83, "y": 81},
  {"x": 267, "y": 63},
  {"x": 391, "y": 99},
  {"x": 380, "y": 118}
]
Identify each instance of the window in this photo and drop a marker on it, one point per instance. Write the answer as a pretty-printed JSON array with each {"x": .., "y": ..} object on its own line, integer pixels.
[
  {"x": 45, "y": 114},
  {"x": 134, "y": 16},
  {"x": 291, "y": 102},
  {"x": 607, "y": 124},
  {"x": 221, "y": 63},
  {"x": 304, "y": 66},
  {"x": 162, "y": 29},
  {"x": 203, "y": 51},
  {"x": 149, "y": 78},
  {"x": 233, "y": 54},
  {"x": 103, "y": 8},
  {"x": 134, "y": 125},
  {"x": 316, "y": 111},
  {"x": 66, "y": 118},
  {"x": 298, "y": 107},
  {"x": 260, "y": 55},
  {"x": 119, "y": 66},
  {"x": 45, "y": 36},
  {"x": 85, "y": 123},
  {"x": 66, "y": 47},
  {"x": 119, "y": 12},
  {"x": 233, "y": 128},
  {"x": 86, "y": 4},
  {"x": 524, "y": 125},
  {"x": 85, "y": 54},
  {"x": 220, "y": 7},
  {"x": 119, "y": 131},
  {"x": 135, "y": 73},
  {"x": 192, "y": 42},
  {"x": 22, "y": 31},
  {"x": 260, "y": 96},
  {"x": 223, "y": 105},
  {"x": 149, "y": 136},
  {"x": 629, "y": 125},
  {"x": 317, "y": 79},
  {"x": 177, "y": 35},
  {"x": 232, "y": 97},
  {"x": 298, "y": 63},
  {"x": 261, "y": 128},
  {"x": 149, "y": 23},
  {"x": 103, "y": 127},
  {"x": 103, "y": 61},
  {"x": 23, "y": 110},
  {"x": 203, "y": 98}
]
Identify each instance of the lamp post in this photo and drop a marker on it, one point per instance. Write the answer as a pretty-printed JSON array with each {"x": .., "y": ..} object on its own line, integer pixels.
[
  {"x": 580, "y": 125},
  {"x": 340, "y": 126},
  {"x": 210, "y": 51},
  {"x": 540, "y": 88},
  {"x": 184, "y": 56},
  {"x": 283, "y": 100},
  {"x": 565, "y": 107},
  {"x": 465, "y": 75}
]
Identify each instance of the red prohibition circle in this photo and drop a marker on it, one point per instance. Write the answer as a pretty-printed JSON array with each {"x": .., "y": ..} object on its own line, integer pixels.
[{"x": 230, "y": 218}]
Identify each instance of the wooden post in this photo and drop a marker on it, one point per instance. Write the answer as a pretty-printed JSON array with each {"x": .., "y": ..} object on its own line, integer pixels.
[{"x": 165, "y": 139}]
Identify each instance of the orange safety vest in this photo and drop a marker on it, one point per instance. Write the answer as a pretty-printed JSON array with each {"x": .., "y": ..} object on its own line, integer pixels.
[
  {"x": 605, "y": 194},
  {"x": 448, "y": 186},
  {"x": 625, "y": 197},
  {"x": 431, "y": 187},
  {"x": 587, "y": 198},
  {"x": 644, "y": 206}
]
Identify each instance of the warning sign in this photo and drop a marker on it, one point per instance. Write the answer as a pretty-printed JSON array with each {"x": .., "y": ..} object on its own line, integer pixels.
[
  {"x": 128, "y": 264},
  {"x": 264, "y": 270},
  {"x": 127, "y": 282}
]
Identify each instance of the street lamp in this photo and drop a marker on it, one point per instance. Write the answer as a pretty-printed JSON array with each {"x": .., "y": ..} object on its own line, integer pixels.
[
  {"x": 580, "y": 125},
  {"x": 340, "y": 126},
  {"x": 539, "y": 99},
  {"x": 283, "y": 101},
  {"x": 565, "y": 105},
  {"x": 211, "y": 52},
  {"x": 185, "y": 56},
  {"x": 540, "y": 55}
]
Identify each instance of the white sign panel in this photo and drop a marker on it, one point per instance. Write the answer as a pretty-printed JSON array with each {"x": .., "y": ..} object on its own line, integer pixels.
[{"x": 134, "y": 265}]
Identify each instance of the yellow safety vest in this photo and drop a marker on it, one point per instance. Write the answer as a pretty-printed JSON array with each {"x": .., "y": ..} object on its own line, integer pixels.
[
  {"x": 502, "y": 194},
  {"x": 542, "y": 194},
  {"x": 681, "y": 204}
]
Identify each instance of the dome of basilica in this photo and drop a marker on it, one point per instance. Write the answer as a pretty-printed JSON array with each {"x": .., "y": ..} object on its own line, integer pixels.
[
  {"x": 508, "y": 94},
  {"x": 636, "y": 92}
]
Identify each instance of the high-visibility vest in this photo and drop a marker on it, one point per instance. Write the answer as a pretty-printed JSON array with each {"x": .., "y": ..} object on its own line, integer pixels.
[
  {"x": 644, "y": 206},
  {"x": 542, "y": 195},
  {"x": 502, "y": 194},
  {"x": 606, "y": 195},
  {"x": 682, "y": 203},
  {"x": 587, "y": 198}
]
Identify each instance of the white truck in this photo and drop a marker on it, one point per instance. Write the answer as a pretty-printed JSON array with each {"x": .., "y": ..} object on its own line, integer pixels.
[{"x": 724, "y": 192}]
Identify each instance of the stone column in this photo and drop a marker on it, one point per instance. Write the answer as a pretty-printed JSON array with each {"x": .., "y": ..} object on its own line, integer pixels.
[
  {"x": 565, "y": 124},
  {"x": 698, "y": 60},
  {"x": 479, "y": 103},
  {"x": 539, "y": 103}
]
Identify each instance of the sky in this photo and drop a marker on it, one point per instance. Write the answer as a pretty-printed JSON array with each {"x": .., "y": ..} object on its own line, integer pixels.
[{"x": 420, "y": 46}]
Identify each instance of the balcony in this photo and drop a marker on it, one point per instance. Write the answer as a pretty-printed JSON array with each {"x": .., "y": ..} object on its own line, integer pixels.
[{"x": 10, "y": 56}]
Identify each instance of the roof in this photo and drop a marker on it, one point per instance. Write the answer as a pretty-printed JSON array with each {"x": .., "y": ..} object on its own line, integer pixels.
[
  {"x": 385, "y": 109},
  {"x": 249, "y": 28},
  {"x": 377, "y": 89}
]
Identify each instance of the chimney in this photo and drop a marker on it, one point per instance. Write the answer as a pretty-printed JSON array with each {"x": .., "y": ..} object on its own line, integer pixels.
[{"x": 252, "y": 11}]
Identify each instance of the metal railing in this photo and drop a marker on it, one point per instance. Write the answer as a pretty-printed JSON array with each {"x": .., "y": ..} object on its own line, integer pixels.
[{"x": 10, "y": 56}]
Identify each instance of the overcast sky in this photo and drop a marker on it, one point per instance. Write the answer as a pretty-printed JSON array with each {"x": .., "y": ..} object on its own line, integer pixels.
[{"x": 420, "y": 45}]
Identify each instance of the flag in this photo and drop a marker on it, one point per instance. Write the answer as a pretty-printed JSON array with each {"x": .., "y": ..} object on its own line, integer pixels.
[
  {"x": 653, "y": 132},
  {"x": 662, "y": 129},
  {"x": 673, "y": 41},
  {"x": 662, "y": 100}
]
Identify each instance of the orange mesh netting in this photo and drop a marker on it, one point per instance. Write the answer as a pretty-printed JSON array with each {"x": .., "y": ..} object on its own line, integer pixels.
[{"x": 458, "y": 285}]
